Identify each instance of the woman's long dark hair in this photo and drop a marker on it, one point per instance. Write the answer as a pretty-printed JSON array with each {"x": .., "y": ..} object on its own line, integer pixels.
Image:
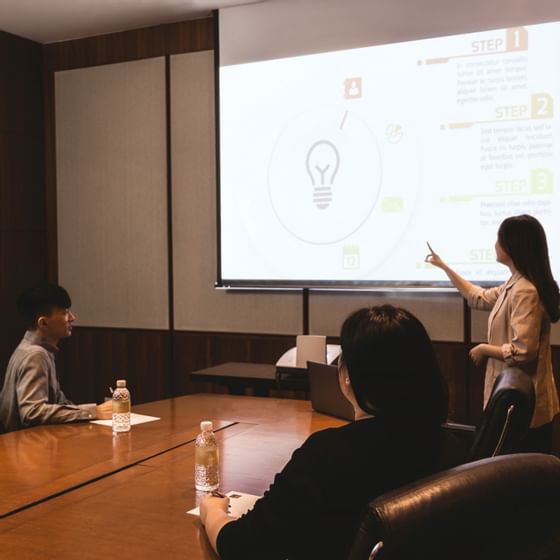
[
  {"x": 392, "y": 366},
  {"x": 524, "y": 240}
]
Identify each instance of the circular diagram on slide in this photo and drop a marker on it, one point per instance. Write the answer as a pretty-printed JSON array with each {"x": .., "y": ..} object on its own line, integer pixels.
[{"x": 324, "y": 176}]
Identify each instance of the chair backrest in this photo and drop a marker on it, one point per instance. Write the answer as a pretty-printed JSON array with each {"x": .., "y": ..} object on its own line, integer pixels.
[
  {"x": 503, "y": 507},
  {"x": 507, "y": 416}
]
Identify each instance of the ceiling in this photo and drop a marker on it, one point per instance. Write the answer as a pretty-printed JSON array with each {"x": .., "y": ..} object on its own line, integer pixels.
[{"x": 48, "y": 21}]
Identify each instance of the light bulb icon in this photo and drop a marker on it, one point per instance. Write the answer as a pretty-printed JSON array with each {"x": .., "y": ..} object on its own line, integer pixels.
[{"x": 322, "y": 166}]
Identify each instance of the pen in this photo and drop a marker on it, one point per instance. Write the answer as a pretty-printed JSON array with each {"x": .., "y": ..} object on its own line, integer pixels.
[
  {"x": 217, "y": 494},
  {"x": 111, "y": 390}
]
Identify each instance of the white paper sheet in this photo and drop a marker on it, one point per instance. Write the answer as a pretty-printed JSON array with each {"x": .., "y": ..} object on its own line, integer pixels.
[
  {"x": 239, "y": 503},
  {"x": 134, "y": 419}
]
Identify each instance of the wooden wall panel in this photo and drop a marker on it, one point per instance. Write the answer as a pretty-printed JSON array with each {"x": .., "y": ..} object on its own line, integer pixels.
[
  {"x": 91, "y": 360},
  {"x": 452, "y": 361},
  {"x": 135, "y": 44},
  {"x": 198, "y": 350},
  {"x": 143, "y": 357},
  {"x": 22, "y": 197},
  {"x": 191, "y": 353},
  {"x": 267, "y": 349}
]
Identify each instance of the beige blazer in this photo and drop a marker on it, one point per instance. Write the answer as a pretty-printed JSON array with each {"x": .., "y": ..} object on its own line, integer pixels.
[{"x": 519, "y": 324}]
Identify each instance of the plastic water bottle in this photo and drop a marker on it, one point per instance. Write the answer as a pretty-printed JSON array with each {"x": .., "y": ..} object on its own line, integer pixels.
[
  {"x": 206, "y": 475},
  {"x": 121, "y": 407}
]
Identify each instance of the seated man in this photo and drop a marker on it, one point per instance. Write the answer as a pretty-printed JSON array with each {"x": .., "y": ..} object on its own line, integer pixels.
[{"x": 31, "y": 394}]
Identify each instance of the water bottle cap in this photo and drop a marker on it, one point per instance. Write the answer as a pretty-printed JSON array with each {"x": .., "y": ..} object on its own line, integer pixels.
[
  {"x": 206, "y": 426},
  {"x": 121, "y": 382}
]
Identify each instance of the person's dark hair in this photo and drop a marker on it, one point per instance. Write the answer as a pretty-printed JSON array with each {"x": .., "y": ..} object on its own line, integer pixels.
[
  {"x": 41, "y": 300},
  {"x": 524, "y": 240},
  {"x": 392, "y": 366}
]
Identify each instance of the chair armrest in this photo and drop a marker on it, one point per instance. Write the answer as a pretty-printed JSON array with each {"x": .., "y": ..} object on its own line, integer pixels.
[
  {"x": 463, "y": 432},
  {"x": 460, "y": 428}
]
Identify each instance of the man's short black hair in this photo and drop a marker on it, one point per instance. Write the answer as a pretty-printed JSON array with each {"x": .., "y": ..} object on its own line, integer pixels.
[{"x": 41, "y": 300}]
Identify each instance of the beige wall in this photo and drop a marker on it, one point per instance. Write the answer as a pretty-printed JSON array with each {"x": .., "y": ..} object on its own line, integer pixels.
[
  {"x": 198, "y": 306},
  {"x": 441, "y": 313},
  {"x": 111, "y": 193}
]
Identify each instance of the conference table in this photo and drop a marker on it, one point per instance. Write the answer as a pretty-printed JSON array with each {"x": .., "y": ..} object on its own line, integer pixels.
[{"x": 78, "y": 491}]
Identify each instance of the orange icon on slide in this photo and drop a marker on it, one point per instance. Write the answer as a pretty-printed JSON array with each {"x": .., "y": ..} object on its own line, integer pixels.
[{"x": 352, "y": 88}]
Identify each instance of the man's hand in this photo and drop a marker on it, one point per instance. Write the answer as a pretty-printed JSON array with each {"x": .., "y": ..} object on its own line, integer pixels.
[{"x": 104, "y": 411}]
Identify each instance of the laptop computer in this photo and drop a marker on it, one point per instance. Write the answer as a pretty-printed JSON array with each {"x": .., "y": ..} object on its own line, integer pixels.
[{"x": 326, "y": 396}]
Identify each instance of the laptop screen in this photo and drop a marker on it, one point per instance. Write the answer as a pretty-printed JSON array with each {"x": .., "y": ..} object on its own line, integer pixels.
[{"x": 326, "y": 396}]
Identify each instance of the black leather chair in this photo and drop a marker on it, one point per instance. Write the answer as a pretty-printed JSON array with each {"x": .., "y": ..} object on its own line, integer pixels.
[
  {"x": 506, "y": 418},
  {"x": 504, "y": 507},
  {"x": 507, "y": 415}
]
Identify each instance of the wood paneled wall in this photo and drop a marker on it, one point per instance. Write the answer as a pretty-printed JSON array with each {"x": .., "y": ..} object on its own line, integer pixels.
[
  {"x": 94, "y": 358},
  {"x": 22, "y": 201}
]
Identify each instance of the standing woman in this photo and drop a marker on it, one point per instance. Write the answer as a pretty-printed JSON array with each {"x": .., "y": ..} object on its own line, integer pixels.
[{"x": 519, "y": 323}]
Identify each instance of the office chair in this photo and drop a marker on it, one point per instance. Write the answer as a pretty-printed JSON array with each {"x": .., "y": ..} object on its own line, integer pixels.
[
  {"x": 506, "y": 418},
  {"x": 503, "y": 507},
  {"x": 507, "y": 415}
]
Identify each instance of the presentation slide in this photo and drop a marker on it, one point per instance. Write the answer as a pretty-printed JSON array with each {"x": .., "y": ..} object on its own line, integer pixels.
[{"x": 339, "y": 167}]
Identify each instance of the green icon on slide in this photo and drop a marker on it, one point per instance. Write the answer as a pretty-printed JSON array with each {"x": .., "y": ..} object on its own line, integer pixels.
[
  {"x": 393, "y": 133},
  {"x": 542, "y": 181},
  {"x": 392, "y": 204},
  {"x": 351, "y": 256}
]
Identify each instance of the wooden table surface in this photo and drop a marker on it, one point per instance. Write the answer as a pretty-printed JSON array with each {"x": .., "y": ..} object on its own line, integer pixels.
[
  {"x": 40, "y": 462},
  {"x": 140, "y": 512}
]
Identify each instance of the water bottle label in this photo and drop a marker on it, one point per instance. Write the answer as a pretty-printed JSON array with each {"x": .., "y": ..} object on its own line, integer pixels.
[
  {"x": 120, "y": 407},
  {"x": 206, "y": 456}
]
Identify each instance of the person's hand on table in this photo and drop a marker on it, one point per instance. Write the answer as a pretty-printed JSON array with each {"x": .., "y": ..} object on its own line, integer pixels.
[
  {"x": 213, "y": 516},
  {"x": 104, "y": 411},
  {"x": 210, "y": 504}
]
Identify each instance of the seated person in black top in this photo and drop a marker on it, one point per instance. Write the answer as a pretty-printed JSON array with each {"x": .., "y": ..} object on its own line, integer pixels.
[{"x": 388, "y": 371}]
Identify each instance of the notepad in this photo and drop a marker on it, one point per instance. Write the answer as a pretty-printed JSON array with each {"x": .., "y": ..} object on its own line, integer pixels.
[
  {"x": 134, "y": 419},
  {"x": 239, "y": 503}
]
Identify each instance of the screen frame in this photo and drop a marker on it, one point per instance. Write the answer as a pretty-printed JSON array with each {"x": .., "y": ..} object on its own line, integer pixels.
[{"x": 440, "y": 286}]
